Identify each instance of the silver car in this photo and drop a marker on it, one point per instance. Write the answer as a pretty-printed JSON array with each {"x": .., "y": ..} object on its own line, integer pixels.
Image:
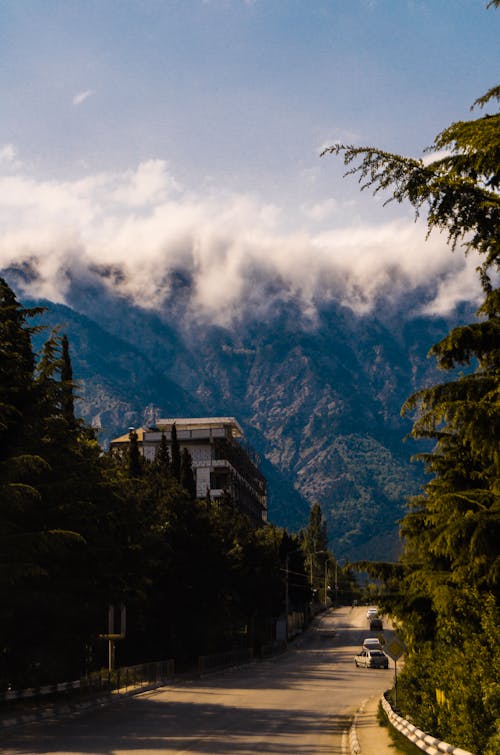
[
  {"x": 371, "y": 659},
  {"x": 371, "y": 643}
]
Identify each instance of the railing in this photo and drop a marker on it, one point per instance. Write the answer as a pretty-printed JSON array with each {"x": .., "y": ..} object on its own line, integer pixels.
[
  {"x": 273, "y": 648},
  {"x": 128, "y": 677},
  {"x": 423, "y": 741},
  {"x": 224, "y": 660},
  {"x": 100, "y": 682}
]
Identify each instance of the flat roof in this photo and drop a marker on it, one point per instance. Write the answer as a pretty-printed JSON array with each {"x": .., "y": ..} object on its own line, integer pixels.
[{"x": 200, "y": 423}]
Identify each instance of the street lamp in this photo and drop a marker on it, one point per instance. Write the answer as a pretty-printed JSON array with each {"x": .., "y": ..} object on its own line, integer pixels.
[{"x": 315, "y": 553}]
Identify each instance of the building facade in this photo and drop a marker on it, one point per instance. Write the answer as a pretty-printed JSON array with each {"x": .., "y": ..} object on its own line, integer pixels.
[{"x": 221, "y": 463}]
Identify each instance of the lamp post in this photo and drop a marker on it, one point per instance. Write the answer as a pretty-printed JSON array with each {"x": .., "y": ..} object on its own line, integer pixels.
[{"x": 315, "y": 553}]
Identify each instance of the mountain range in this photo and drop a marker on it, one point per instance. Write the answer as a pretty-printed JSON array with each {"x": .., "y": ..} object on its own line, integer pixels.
[{"x": 319, "y": 397}]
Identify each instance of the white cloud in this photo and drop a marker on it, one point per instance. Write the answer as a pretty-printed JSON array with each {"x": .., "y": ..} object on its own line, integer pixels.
[
  {"x": 340, "y": 136},
  {"x": 326, "y": 209},
  {"x": 82, "y": 96},
  {"x": 7, "y": 153},
  {"x": 146, "y": 186},
  {"x": 234, "y": 247},
  {"x": 431, "y": 157}
]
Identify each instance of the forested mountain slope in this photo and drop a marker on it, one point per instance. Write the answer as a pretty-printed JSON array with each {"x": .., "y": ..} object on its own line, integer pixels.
[{"x": 320, "y": 400}]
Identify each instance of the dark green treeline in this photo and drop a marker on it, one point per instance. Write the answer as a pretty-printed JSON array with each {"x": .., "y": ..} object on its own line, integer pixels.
[{"x": 81, "y": 530}]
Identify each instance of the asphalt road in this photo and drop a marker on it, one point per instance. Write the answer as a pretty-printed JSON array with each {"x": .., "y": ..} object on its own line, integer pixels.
[{"x": 299, "y": 703}]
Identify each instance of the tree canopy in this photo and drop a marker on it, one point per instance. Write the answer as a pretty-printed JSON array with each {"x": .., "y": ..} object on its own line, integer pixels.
[
  {"x": 81, "y": 529},
  {"x": 445, "y": 592}
]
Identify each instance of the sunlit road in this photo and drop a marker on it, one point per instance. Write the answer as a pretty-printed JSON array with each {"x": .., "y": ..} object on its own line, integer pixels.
[{"x": 299, "y": 703}]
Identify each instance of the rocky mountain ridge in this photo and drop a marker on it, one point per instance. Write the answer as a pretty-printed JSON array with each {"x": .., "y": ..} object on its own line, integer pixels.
[{"x": 320, "y": 402}]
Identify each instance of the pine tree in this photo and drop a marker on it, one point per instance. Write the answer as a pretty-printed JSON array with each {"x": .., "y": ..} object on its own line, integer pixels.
[
  {"x": 446, "y": 589},
  {"x": 67, "y": 399}
]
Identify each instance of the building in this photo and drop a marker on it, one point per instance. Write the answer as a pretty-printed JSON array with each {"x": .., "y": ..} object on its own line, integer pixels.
[{"x": 220, "y": 461}]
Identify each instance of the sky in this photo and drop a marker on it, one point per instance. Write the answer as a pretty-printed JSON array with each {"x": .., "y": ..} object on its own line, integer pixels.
[{"x": 147, "y": 136}]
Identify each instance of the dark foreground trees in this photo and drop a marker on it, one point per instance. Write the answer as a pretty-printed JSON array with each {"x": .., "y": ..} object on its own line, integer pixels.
[
  {"x": 445, "y": 592},
  {"x": 81, "y": 530}
]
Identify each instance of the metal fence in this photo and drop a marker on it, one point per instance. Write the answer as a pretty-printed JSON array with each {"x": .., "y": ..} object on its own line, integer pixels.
[
  {"x": 421, "y": 739},
  {"x": 119, "y": 680},
  {"x": 224, "y": 660}
]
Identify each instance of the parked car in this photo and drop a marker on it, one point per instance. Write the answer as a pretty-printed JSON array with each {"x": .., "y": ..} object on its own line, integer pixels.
[{"x": 371, "y": 659}]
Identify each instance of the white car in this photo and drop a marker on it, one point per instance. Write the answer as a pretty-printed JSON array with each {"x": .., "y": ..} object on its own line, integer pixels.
[
  {"x": 372, "y": 659},
  {"x": 371, "y": 613}
]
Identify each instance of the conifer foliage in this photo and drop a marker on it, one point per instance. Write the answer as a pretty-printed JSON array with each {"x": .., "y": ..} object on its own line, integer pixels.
[
  {"x": 445, "y": 592},
  {"x": 81, "y": 530}
]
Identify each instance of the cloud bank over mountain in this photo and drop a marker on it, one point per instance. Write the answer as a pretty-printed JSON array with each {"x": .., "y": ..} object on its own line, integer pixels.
[{"x": 136, "y": 230}]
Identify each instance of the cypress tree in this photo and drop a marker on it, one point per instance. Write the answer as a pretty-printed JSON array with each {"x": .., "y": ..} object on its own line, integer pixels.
[
  {"x": 315, "y": 545},
  {"x": 187, "y": 475},
  {"x": 67, "y": 398},
  {"x": 20, "y": 462},
  {"x": 17, "y": 364},
  {"x": 162, "y": 458},
  {"x": 134, "y": 455},
  {"x": 176, "y": 454}
]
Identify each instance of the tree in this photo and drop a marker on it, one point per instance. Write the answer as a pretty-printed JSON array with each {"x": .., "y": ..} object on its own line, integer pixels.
[
  {"x": 67, "y": 399},
  {"x": 315, "y": 547},
  {"x": 20, "y": 467},
  {"x": 17, "y": 364},
  {"x": 450, "y": 567},
  {"x": 162, "y": 459},
  {"x": 80, "y": 530},
  {"x": 134, "y": 455},
  {"x": 188, "y": 480},
  {"x": 41, "y": 512},
  {"x": 176, "y": 454}
]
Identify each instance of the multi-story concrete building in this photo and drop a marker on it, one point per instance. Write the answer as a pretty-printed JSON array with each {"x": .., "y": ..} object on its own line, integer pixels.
[{"x": 220, "y": 461}]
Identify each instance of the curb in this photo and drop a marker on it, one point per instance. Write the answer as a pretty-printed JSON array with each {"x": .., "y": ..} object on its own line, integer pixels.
[
  {"x": 68, "y": 709},
  {"x": 353, "y": 734}
]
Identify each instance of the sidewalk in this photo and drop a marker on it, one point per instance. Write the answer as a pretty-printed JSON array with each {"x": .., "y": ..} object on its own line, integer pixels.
[{"x": 367, "y": 737}]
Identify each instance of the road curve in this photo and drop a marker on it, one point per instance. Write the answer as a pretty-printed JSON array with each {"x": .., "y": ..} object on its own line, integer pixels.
[{"x": 299, "y": 703}]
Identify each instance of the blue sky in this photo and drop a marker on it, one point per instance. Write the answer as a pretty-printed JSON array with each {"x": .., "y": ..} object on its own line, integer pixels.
[{"x": 192, "y": 130}]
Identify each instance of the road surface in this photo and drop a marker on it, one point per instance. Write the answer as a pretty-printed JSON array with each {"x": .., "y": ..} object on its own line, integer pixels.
[{"x": 299, "y": 703}]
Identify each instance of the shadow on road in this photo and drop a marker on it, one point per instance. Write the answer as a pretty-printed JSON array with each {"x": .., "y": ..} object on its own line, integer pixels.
[
  {"x": 148, "y": 725},
  {"x": 222, "y": 713}
]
